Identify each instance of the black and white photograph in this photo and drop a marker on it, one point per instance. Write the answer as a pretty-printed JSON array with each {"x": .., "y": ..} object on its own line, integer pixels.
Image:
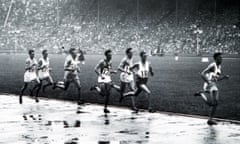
[{"x": 119, "y": 71}]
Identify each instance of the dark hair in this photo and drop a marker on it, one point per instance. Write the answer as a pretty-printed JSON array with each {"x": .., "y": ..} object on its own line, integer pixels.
[
  {"x": 142, "y": 53},
  {"x": 30, "y": 51},
  {"x": 107, "y": 52},
  {"x": 44, "y": 51},
  {"x": 215, "y": 55},
  {"x": 128, "y": 50},
  {"x": 71, "y": 50}
]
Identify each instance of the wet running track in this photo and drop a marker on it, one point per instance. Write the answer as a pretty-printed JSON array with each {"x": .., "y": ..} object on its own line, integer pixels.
[{"x": 59, "y": 122}]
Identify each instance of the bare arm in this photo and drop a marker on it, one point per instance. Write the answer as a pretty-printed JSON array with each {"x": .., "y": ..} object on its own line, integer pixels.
[
  {"x": 121, "y": 66},
  {"x": 40, "y": 65},
  {"x": 113, "y": 71},
  {"x": 151, "y": 70},
  {"x": 97, "y": 69},
  {"x": 134, "y": 67},
  {"x": 206, "y": 71},
  {"x": 223, "y": 77},
  {"x": 28, "y": 66},
  {"x": 67, "y": 64}
]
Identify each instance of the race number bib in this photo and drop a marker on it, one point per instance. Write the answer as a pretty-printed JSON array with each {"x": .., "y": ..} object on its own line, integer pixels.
[
  {"x": 126, "y": 76},
  {"x": 105, "y": 76},
  {"x": 144, "y": 74}
]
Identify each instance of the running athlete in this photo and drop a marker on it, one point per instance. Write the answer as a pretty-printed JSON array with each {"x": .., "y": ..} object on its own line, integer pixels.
[
  {"x": 71, "y": 70},
  {"x": 143, "y": 68},
  {"x": 44, "y": 71},
  {"x": 30, "y": 74},
  {"x": 126, "y": 76},
  {"x": 104, "y": 70},
  {"x": 211, "y": 75}
]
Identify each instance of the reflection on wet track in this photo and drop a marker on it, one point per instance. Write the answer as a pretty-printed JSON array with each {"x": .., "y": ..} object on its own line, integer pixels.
[{"x": 57, "y": 122}]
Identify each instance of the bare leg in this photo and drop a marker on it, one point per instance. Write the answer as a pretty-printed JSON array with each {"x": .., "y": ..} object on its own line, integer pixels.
[
  {"x": 214, "y": 100},
  {"x": 107, "y": 95},
  {"x": 62, "y": 85},
  {"x": 204, "y": 97},
  {"x": 206, "y": 100},
  {"x": 22, "y": 91},
  {"x": 132, "y": 87},
  {"x": 38, "y": 90},
  {"x": 122, "y": 90},
  {"x": 50, "y": 82},
  {"x": 148, "y": 92},
  {"x": 116, "y": 87},
  {"x": 38, "y": 86},
  {"x": 78, "y": 85},
  {"x": 98, "y": 89}
]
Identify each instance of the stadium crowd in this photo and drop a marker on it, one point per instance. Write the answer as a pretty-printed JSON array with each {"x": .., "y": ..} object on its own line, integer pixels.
[{"x": 47, "y": 25}]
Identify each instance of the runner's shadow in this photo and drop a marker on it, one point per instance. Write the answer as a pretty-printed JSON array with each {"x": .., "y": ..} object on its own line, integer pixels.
[
  {"x": 27, "y": 117},
  {"x": 211, "y": 135},
  {"x": 106, "y": 120},
  {"x": 76, "y": 124}
]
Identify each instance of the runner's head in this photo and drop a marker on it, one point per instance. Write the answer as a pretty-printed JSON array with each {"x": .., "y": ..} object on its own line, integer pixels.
[
  {"x": 108, "y": 54},
  {"x": 143, "y": 56},
  {"x": 217, "y": 58},
  {"x": 45, "y": 53},
  {"x": 129, "y": 53},
  {"x": 73, "y": 52},
  {"x": 31, "y": 53}
]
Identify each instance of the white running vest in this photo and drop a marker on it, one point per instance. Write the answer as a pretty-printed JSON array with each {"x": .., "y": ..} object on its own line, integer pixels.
[
  {"x": 73, "y": 63},
  {"x": 217, "y": 71},
  {"x": 105, "y": 72},
  {"x": 125, "y": 76},
  {"x": 143, "y": 70},
  {"x": 130, "y": 64},
  {"x": 45, "y": 65},
  {"x": 212, "y": 77},
  {"x": 30, "y": 62}
]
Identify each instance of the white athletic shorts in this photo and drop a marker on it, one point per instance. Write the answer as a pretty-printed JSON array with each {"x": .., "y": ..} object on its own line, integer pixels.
[
  {"x": 126, "y": 78},
  {"x": 30, "y": 76},
  {"x": 70, "y": 76},
  {"x": 43, "y": 75},
  {"x": 105, "y": 79},
  {"x": 210, "y": 87}
]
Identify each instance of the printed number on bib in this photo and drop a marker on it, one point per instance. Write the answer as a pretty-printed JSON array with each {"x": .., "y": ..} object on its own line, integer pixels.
[
  {"x": 105, "y": 78},
  {"x": 144, "y": 74}
]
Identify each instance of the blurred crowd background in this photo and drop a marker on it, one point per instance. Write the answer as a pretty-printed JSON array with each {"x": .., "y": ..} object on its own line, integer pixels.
[{"x": 167, "y": 26}]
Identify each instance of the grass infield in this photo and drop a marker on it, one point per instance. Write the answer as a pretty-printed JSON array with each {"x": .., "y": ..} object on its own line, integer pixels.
[{"x": 172, "y": 86}]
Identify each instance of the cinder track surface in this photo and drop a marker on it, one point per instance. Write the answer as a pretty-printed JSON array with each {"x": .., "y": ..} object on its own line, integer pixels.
[{"x": 56, "y": 122}]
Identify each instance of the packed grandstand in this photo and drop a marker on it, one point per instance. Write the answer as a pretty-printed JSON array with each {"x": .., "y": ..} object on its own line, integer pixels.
[{"x": 93, "y": 25}]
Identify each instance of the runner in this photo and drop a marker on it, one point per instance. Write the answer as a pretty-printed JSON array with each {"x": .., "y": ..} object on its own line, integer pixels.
[
  {"x": 30, "y": 75},
  {"x": 104, "y": 70},
  {"x": 211, "y": 75},
  {"x": 143, "y": 68},
  {"x": 126, "y": 76},
  {"x": 71, "y": 71},
  {"x": 44, "y": 71}
]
